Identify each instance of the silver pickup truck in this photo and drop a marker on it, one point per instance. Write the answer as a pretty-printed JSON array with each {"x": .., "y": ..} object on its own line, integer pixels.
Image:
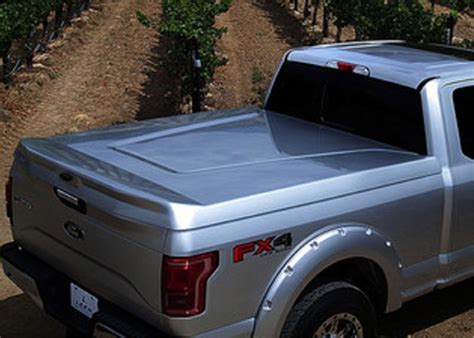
[{"x": 349, "y": 193}]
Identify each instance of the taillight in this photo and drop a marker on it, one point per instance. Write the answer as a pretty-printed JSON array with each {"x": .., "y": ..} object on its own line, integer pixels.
[
  {"x": 9, "y": 197},
  {"x": 185, "y": 283}
]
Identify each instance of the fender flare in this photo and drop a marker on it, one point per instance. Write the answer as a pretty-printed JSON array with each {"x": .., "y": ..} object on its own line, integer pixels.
[{"x": 314, "y": 256}]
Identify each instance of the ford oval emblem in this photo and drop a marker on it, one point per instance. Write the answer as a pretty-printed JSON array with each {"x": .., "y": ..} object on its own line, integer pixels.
[{"x": 73, "y": 230}]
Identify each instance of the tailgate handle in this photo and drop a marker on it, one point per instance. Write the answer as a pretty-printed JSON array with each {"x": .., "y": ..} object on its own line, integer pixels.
[{"x": 70, "y": 200}]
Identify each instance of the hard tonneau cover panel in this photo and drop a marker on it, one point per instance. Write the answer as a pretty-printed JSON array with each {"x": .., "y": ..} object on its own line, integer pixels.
[
  {"x": 222, "y": 155},
  {"x": 294, "y": 158}
]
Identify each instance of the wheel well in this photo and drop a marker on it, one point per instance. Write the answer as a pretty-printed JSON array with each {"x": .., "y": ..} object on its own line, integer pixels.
[{"x": 360, "y": 272}]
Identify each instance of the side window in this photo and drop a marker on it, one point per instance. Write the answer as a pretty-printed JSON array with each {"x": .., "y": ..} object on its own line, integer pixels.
[{"x": 464, "y": 105}]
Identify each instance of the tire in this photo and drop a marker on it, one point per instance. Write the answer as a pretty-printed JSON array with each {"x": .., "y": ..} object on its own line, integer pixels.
[{"x": 336, "y": 307}]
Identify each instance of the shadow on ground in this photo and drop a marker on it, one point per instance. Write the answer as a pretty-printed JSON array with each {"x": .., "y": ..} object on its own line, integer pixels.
[
  {"x": 288, "y": 27},
  {"x": 160, "y": 95},
  {"x": 429, "y": 310},
  {"x": 19, "y": 317}
]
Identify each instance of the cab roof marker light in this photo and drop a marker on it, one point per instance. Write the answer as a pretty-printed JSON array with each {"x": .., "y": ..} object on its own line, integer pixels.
[{"x": 348, "y": 67}]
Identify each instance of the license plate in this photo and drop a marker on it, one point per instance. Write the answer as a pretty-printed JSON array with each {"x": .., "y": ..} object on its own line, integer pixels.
[{"x": 83, "y": 301}]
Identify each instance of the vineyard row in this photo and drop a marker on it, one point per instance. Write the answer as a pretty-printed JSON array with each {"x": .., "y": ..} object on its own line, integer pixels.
[
  {"x": 27, "y": 26},
  {"x": 410, "y": 20}
]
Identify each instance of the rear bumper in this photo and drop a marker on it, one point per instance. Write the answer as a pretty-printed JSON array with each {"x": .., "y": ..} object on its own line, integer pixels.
[{"x": 49, "y": 289}]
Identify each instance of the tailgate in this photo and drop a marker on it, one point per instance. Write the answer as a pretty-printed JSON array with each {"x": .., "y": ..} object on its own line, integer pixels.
[{"x": 103, "y": 240}]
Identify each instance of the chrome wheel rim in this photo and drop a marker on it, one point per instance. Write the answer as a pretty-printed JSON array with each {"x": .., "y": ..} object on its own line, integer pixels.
[{"x": 341, "y": 325}]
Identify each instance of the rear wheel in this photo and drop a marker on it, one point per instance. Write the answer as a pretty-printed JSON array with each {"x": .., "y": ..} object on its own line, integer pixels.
[{"x": 336, "y": 309}]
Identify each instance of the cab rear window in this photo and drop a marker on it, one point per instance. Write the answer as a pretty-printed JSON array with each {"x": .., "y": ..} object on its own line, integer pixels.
[{"x": 371, "y": 108}]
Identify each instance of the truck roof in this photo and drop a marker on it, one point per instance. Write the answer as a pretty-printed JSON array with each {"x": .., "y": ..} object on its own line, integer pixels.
[{"x": 392, "y": 60}]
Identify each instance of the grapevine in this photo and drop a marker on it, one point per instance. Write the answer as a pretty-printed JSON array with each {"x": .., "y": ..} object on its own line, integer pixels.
[
  {"x": 19, "y": 20},
  {"x": 190, "y": 28},
  {"x": 381, "y": 19}
]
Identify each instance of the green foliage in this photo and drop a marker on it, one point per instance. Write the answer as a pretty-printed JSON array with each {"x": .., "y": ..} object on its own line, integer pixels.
[
  {"x": 187, "y": 23},
  {"x": 409, "y": 20},
  {"x": 360, "y": 14},
  {"x": 18, "y": 18},
  {"x": 257, "y": 75},
  {"x": 144, "y": 20},
  {"x": 343, "y": 11},
  {"x": 466, "y": 43},
  {"x": 399, "y": 19},
  {"x": 458, "y": 5}
]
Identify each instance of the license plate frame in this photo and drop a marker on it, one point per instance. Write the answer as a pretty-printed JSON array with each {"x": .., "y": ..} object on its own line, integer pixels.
[{"x": 82, "y": 301}]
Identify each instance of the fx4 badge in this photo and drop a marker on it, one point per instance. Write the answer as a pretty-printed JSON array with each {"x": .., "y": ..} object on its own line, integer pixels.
[{"x": 263, "y": 247}]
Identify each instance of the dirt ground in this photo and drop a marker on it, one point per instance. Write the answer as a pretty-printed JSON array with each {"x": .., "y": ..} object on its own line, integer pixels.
[{"x": 103, "y": 71}]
